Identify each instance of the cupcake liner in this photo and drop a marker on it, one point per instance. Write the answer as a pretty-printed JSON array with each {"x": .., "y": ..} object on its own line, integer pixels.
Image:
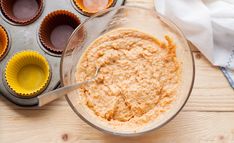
[
  {"x": 52, "y": 21},
  {"x": 4, "y": 42},
  {"x": 92, "y": 9},
  {"x": 7, "y": 7},
  {"x": 27, "y": 73}
]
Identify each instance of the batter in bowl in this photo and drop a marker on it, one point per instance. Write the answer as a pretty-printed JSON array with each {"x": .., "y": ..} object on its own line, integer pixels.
[{"x": 138, "y": 78}]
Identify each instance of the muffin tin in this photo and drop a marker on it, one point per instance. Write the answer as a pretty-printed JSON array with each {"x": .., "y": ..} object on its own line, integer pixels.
[{"x": 35, "y": 36}]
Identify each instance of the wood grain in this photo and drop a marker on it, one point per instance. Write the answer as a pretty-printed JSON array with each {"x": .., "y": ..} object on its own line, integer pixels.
[
  {"x": 206, "y": 118},
  {"x": 141, "y": 3},
  {"x": 211, "y": 90},
  {"x": 61, "y": 125}
]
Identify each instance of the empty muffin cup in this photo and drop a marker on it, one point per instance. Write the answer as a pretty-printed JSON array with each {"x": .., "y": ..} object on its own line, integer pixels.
[
  {"x": 4, "y": 42},
  {"x": 21, "y": 12},
  {"x": 89, "y": 7},
  {"x": 27, "y": 73},
  {"x": 56, "y": 29}
]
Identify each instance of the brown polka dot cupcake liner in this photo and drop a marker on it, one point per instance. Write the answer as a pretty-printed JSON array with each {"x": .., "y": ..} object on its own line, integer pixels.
[
  {"x": 21, "y": 12},
  {"x": 56, "y": 28}
]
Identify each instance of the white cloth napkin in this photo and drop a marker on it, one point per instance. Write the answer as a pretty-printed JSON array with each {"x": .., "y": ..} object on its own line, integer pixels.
[{"x": 208, "y": 24}]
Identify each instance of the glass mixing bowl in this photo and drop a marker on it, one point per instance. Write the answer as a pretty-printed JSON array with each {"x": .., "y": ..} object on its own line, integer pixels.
[{"x": 145, "y": 20}]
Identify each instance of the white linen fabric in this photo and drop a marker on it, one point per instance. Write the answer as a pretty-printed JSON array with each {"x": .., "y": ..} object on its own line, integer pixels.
[{"x": 208, "y": 24}]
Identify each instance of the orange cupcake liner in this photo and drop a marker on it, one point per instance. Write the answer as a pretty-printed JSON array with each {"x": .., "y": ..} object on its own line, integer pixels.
[
  {"x": 7, "y": 10},
  {"x": 4, "y": 42},
  {"x": 92, "y": 9},
  {"x": 51, "y": 21}
]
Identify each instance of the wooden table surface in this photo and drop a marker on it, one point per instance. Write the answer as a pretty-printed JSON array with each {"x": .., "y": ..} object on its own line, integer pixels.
[{"x": 207, "y": 117}]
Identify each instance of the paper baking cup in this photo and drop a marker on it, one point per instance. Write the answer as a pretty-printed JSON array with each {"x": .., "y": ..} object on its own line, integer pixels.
[
  {"x": 4, "y": 42},
  {"x": 27, "y": 73},
  {"x": 56, "y": 29},
  {"x": 93, "y": 6},
  {"x": 21, "y": 12}
]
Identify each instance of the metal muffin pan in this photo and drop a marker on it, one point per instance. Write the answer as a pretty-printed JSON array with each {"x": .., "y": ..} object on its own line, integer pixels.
[{"x": 25, "y": 37}]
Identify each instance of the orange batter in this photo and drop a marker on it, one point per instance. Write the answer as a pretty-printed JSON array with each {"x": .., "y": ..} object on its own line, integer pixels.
[{"x": 138, "y": 78}]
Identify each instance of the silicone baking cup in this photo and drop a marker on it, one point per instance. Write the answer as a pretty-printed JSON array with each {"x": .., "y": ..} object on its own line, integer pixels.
[
  {"x": 27, "y": 73},
  {"x": 21, "y": 12},
  {"x": 56, "y": 29},
  {"x": 91, "y": 7},
  {"x": 4, "y": 42}
]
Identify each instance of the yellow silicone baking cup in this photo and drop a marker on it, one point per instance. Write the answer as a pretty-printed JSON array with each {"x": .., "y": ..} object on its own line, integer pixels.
[
  {"x": 3, "y": 41},
  {"x": 27, "y": 73}
]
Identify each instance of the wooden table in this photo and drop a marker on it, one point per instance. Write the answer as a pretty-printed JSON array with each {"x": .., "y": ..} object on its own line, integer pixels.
[{"x": 207, "y": 117}]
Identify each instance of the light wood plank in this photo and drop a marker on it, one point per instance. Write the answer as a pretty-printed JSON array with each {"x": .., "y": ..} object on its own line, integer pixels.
[
  {"x": 62, "y": 125},
  {"x": 141, "y": 3},
  {"x": 211, "y": 90},
  {"x": 193, "y": 48}
]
